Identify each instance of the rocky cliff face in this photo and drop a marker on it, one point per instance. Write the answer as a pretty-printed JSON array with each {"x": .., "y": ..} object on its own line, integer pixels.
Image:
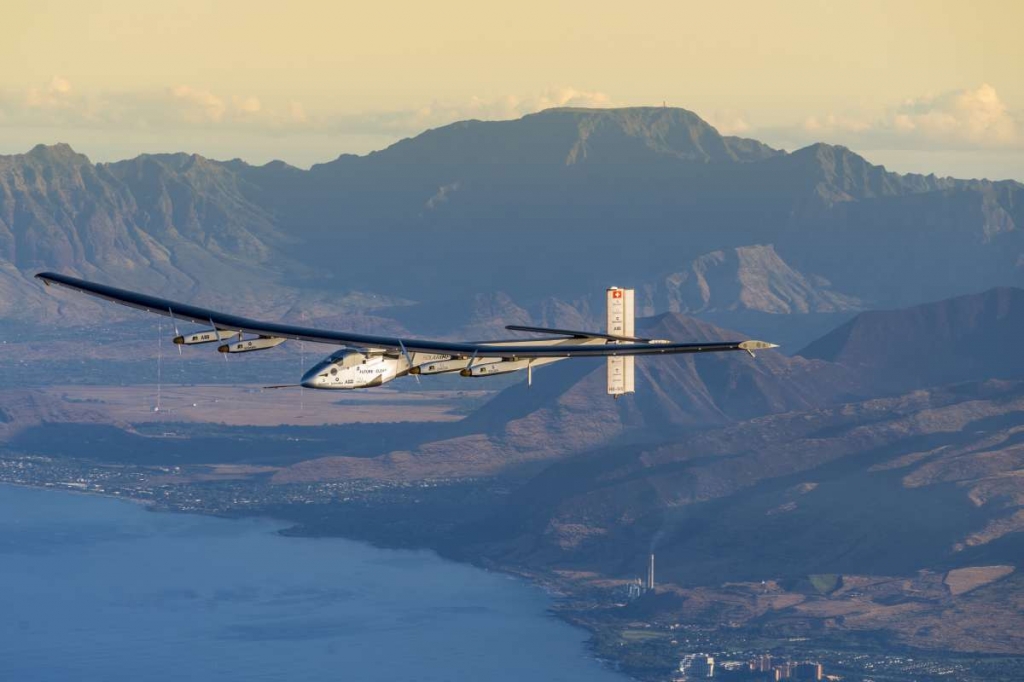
[
  {"x": 577, "y": 198},
  {"x": 747, "y": 278},
  {"x": 155, "y": 223},
  {"x": 154, "y": 216}
]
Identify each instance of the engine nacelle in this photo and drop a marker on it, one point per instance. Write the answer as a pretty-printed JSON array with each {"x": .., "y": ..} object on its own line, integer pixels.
[
  {"x": 491, "y": 368},
  {"x": 249, "y": 345},
  {"x": 205, "y": 336},
  {"x": 442, "y": 366}
]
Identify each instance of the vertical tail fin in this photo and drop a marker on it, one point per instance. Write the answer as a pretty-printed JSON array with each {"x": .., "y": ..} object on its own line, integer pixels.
[{"x": 620, "y": 323}]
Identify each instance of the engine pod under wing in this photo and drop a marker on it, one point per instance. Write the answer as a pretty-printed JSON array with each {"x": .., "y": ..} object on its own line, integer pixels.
[{"x": 249, "y": 345}]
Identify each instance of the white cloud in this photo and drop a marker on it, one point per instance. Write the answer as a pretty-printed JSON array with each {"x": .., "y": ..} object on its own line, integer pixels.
[
  {"x": 198, "y": 106},
  {"x": 412, "y": 121},
  {"x": 247, "y": 105},
  {"x": 297, "y": 112},
  {"x": 442, "y": 195},
  {"x": 60, "y": 85},
  {"x": 971, "y": 118},
  {"x": 57, "y": 95},
  {"x": 976, "y": 116},
  {"x": 729, "y": 123},
  {"x": 832, "y": 122},
  {"x": 512, "y": 106},
  {"x": 184, "y": 106},
  {"x": 180, "y": 107}
]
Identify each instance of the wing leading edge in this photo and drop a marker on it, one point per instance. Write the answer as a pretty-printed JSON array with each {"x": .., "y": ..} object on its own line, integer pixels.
[{"x": 234, "y": 323}]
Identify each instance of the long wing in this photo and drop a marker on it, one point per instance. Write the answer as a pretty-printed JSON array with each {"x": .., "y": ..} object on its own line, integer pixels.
[{"x": 233, "y": 323}]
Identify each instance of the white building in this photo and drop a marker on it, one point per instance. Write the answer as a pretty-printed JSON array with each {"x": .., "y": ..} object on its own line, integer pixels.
[{"x": 697, "y": 666}]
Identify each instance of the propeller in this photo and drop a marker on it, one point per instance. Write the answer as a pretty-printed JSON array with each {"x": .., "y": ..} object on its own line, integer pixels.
[{"x": 174, "y": 321}]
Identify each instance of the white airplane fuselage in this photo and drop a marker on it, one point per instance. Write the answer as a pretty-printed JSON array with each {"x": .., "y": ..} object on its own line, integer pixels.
[{"x": 349, "y": 368}]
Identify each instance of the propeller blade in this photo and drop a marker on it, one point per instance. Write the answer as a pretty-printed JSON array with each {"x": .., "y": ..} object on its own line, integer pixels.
[{"x": 176, "y": 332}]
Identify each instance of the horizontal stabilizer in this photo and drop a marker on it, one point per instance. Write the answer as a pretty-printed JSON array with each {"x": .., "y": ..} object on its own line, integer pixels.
[{"x": 576, "y": 334}]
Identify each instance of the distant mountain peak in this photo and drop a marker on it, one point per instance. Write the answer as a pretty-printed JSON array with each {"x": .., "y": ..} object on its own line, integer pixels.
[
  {"x": 175, "y": 161},
  {"x": 60, "y": 152},
  {"x": 673, "y": 132},
  {"x": 834, "y": 156},
  {"x": 844, "y": 175},
  {"x": 571, "y": 136}
]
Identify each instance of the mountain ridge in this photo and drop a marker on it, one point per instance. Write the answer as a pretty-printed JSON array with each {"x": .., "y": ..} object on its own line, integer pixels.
[
  {"x": 966, "y": 338},
  {"x": 576, "y": 195},
  {"x": 577, "y": 135},
  {"x": 751, "y": 278}
]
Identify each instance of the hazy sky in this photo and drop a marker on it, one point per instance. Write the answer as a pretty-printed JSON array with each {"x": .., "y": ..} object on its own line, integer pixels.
[{"x": 925, "y": 86}]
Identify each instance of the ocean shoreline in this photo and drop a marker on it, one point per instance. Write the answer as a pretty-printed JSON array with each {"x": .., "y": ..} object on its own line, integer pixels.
[{"x": 553, "y": 591}]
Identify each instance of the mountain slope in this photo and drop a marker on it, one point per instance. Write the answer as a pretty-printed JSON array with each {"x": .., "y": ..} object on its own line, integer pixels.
[
  {"x": 921, "y": 479},
  {"x": 176, "y": 224},
  {"x": 885, "y": 486},
  {"x": 59, "y": 210},
  {"x": 747, "y": 278},
  {"x": 967, "y": 338}
]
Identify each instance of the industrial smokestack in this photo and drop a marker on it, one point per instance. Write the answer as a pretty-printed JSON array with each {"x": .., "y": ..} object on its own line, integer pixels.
[{"x": 650, "y": 573}]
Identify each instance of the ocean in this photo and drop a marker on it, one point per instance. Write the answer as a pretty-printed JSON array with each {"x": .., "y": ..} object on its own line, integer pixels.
[{"x": 100, "y": 589}]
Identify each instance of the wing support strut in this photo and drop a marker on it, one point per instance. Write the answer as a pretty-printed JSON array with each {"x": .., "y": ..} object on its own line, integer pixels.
[{"x": 408, "y": 358}]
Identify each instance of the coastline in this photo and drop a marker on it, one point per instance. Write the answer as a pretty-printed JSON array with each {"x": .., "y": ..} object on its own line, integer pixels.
[
  {"x": 637, "y": 642},
  {"x": 150, "y": 505},
  {"x": 554, "y": 593}
]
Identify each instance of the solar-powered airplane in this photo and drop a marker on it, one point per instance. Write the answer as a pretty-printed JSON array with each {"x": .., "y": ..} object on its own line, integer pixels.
[{"x": 364, "y": 360}]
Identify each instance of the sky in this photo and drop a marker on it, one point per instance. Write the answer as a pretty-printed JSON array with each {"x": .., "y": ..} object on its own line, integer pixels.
[{"x": 918, "y": 86}]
